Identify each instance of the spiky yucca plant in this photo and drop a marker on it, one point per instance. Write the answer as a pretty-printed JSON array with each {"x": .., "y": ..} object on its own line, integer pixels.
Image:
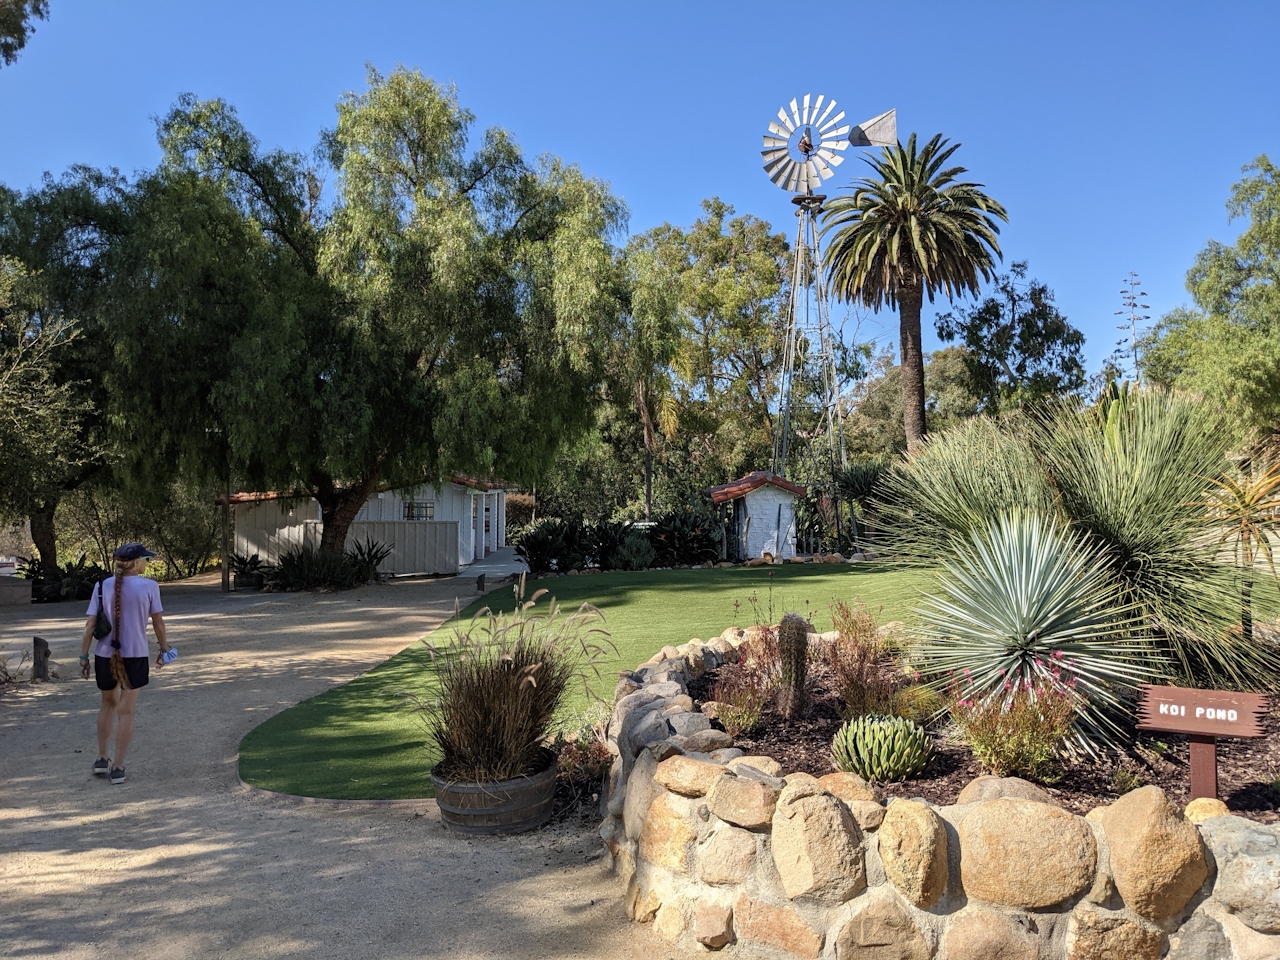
[{"x": 1023, "y": 599}]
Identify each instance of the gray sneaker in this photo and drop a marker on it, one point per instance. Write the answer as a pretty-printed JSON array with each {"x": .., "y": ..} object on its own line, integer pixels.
[
  {"x": 117, "y": 775},
  {"x": 101, "y": 767}
]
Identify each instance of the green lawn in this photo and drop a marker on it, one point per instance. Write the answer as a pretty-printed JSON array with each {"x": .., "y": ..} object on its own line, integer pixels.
[{"x": 359, "y": 741}]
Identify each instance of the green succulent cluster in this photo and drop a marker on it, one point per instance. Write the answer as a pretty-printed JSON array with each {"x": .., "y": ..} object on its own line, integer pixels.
[{"x": 881, "y": 748}]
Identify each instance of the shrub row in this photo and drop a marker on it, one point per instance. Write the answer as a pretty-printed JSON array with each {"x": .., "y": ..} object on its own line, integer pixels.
[{"x": 679, "y": 537}]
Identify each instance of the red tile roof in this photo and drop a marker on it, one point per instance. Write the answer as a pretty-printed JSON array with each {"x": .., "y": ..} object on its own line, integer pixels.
[
  {"x": 752, "y": 481},
  {"x": 456, "y": 478}
]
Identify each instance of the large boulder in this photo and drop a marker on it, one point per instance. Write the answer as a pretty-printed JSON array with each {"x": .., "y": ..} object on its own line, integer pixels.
[
  {"x": 779, "y": 927},
  {"x": 704, "y": 741},
  {"x": 669, "y": 922},
  {"x": 848, "y": 787},
  {"x": 980, "y": 933},
  {"x": 816, "y": 845},
  {"x": 1096, "y": 934},
  {"x": 766, "y": 765},
  {"x": 1054, "y": 852},
  {"x": 686, "y": 724},
  {"x": 727, "y": 857},
  {"x": 669, "y": 833},
  {"x": 867, "y": 813},
  {"x": 642, "y": 788},
  {"x": 1200, "y": 938},
  {"x": 712, "y": 924},
  {"x": 882, "y": 930},
  {"x": 1204, "y": 808},
  {"x": 1157, "y": 859},
  {"x": 745, "y": 801},
  {"x": 913, "y": 846},
  {"x": 688, "y": 777},
  {"x": 984, "y": 788},
  {"x": 1248, "y": 858}
]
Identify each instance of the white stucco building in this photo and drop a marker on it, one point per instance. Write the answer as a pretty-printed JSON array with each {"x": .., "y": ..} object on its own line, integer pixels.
[
  {"x": 431, "y": 528},
  {"x": 761, "y": 515}
]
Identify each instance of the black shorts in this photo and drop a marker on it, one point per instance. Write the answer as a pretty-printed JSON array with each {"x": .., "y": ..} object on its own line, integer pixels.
[{"x": 137, "y": 669}]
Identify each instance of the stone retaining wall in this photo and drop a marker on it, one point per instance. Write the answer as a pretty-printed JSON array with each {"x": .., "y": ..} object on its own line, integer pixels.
[{"x": 729, "y": 852}]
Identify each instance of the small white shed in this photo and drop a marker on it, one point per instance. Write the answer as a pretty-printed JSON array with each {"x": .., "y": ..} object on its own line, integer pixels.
[
  {"x": 761, "y": 514},
  {"x": 431, "y": 528}
]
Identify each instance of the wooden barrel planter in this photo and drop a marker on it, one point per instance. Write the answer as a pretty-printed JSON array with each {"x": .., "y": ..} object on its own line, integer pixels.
[{"x": 504, "y": 806}]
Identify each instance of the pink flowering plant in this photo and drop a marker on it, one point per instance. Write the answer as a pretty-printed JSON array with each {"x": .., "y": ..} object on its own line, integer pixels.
[
  {"x": 1019, "y": 729},
  {"x": 1026, "y": 614}
]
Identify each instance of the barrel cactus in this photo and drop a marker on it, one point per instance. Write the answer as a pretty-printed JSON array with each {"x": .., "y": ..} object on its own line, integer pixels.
[
  {"x": 881, "y": 748},
  {"x": 793, "y": 652}
]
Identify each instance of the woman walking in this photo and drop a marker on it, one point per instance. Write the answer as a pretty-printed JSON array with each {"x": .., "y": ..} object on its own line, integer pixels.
[{"x": 120, "y": 661}]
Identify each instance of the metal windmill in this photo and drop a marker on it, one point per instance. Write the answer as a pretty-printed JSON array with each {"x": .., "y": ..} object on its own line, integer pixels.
[{"x": 802, "y": 148}]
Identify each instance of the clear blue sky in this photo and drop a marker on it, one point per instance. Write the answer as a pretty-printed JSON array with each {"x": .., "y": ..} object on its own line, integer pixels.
[{"x": 1111, "y": 131}]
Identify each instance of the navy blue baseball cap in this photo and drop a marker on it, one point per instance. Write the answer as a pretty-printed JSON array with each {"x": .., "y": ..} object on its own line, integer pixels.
[{"x": 132, "y": 551}]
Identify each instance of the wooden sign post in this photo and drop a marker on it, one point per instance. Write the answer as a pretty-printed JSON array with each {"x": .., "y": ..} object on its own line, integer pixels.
[{"x": 1204, "y": 716}]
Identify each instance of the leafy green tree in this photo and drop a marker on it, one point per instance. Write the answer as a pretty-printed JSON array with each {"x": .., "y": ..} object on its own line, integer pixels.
[
  {"x": 1019, "y": 348},
  {"x": 1227, "y": 348},
  {"x": 50, "y": 423},
  {"x": 449, "y": 313},
  {"x": 651, "y": 337},
  {"x": 910, "y": 230},
  {"x": 16, "y": 26}
]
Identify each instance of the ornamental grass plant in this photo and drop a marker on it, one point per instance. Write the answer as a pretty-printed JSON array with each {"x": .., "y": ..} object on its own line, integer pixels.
[
  {"x": 1131, "y": 475},
  {"x": 957, "y": 482},
  {"x": 502, "y": 681}
]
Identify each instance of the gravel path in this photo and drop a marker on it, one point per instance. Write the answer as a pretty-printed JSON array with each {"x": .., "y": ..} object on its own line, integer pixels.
[{"x": 183, "y": 861}]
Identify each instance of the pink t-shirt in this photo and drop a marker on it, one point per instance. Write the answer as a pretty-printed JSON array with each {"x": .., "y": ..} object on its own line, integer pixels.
[{"x": 139, "y": 599}]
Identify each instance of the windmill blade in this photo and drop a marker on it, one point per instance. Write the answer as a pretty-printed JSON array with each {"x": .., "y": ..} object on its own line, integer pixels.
[
  {"x": 786, "y": 121},
  {"x": 771, "y": 157},
  {"x": 815, "y": 175},
  {"x": 783, "y": 172},
  {"x": 841, "y": 132},
  {"x": 881, "y": 131},
  {"x": 823, "y": 170},
  {"x": 834, "y": 143},
  {"x": 831, "y": 105},
  {"x": 771, "y": 141},
  {"x": 826, "y": 128},
  {"x": 774, "y": 164},
  {"x": 832, "y": 158},
  {"x": 795, "y": 112},
  {"x": 778, "y": 130},
  {"x": 804, "y": 113}
]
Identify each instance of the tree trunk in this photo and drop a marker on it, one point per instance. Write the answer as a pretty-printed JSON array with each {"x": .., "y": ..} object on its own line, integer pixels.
[
  {"x": 648, "y": 481},
  {"x": 42, "y": 533},
  {"x": 646, "y": 421},
  {"x": 338, "y": 508},
  {"x": 910, "y": 300},
  {"x": 226, "y": 537}
]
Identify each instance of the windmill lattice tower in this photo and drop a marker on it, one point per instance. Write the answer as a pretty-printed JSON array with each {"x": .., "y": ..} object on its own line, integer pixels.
[{"x": 802, "y": 148}]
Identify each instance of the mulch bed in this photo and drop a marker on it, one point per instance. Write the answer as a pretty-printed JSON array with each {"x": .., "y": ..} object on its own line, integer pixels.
[{"x": 1247, "y": 769}]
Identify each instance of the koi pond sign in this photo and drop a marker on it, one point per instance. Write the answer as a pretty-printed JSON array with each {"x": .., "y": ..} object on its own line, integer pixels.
[{"x": 1204, "y": 716}]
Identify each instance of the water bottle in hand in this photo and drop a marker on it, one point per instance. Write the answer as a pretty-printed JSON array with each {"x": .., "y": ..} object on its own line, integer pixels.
[{"x": 169, "y": 655}]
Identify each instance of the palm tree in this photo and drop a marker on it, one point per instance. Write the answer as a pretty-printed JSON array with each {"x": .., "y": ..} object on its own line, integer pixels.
[
  {"x": 1246, "y": 508},
  {"x": 911, "y": 230}
]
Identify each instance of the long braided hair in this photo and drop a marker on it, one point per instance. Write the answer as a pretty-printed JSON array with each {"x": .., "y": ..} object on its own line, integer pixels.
[{"x": 123, "y": 567}]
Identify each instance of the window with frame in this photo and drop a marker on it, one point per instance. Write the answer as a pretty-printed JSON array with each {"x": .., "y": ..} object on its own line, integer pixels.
[{"x": 419, "y": 509}]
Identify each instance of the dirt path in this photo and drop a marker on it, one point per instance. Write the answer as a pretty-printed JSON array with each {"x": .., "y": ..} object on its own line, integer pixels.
[{"x": 182, "y": 861}]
